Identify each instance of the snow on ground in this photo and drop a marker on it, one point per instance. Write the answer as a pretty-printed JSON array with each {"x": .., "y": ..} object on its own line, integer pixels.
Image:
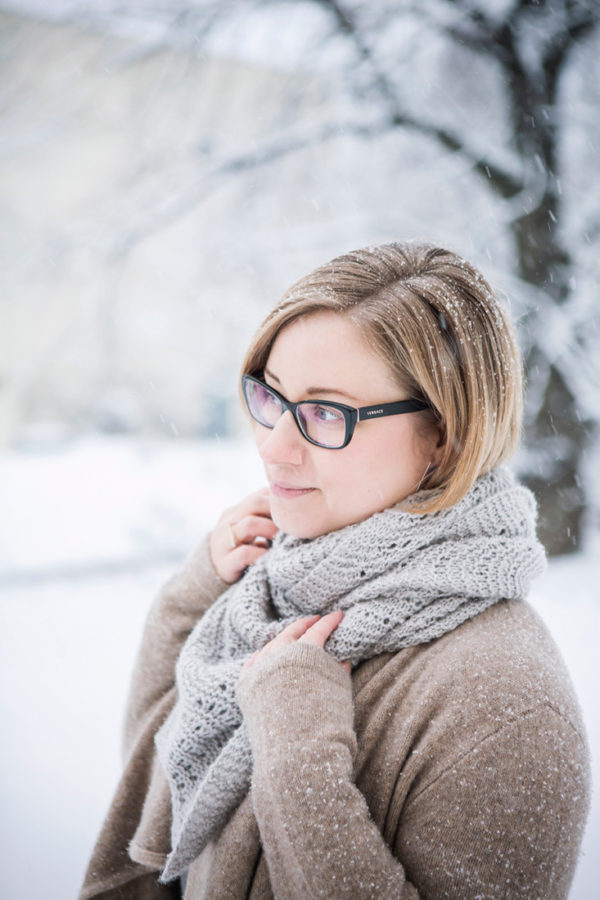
[{"x": 89, "y": 532}]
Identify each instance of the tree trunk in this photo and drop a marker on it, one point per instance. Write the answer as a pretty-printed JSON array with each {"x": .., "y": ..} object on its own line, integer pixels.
[
  {"x": 555, "y": 435},
  {"x": 557, "y": 439}
]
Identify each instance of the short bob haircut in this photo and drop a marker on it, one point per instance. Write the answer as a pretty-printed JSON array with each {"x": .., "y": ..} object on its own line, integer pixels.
[{"x": 437, "y": 323}]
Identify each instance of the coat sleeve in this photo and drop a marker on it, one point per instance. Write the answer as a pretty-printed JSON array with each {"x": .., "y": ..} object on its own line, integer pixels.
[
  {"x": 135, "y": 836},
  {"x": 505, "y": 818},
  {"x": 316, "y": 831},
  {"x": 178, "y": 607}
]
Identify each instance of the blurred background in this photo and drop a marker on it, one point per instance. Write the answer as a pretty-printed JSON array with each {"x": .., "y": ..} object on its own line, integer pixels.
[{"x": 167, "y": 170}]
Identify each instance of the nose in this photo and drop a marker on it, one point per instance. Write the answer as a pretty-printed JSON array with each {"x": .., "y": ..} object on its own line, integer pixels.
[{"x": 281, "y": 444}]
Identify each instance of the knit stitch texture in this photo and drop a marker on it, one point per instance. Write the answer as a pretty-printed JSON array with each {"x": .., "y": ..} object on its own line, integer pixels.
[{"x": 401, "y": 578}]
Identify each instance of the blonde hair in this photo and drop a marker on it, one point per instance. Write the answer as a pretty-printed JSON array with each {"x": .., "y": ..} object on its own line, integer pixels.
[{"x": 437, "y": 323}]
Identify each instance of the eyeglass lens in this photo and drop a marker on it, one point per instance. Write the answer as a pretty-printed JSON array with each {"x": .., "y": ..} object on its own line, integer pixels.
[{"x": 323, "y": 424}]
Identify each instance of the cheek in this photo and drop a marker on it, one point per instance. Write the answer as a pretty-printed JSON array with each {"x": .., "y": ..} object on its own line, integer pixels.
[
  {"x": 395, "y": 464},
  {"x": 405, "y": 444},
  {"x": 353, "y": 484}
]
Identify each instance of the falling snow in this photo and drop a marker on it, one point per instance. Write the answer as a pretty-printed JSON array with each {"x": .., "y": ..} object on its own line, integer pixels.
[
  {"x": 80, "y": 555},
  {"x": 146, "y": 247}
]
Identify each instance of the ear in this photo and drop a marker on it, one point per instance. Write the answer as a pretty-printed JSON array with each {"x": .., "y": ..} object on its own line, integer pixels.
[{"x": 439, "y": 446}]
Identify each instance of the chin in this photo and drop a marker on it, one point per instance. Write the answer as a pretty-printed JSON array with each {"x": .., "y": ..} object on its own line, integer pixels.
[
  {"x": 298, "y": 525},
  {"x": 304, "y": 530}
]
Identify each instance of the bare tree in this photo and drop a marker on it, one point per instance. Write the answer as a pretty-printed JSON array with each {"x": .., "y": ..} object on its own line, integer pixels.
[
  {"x": 532, "y": 46},
  {"x": 529, "y": 43}
]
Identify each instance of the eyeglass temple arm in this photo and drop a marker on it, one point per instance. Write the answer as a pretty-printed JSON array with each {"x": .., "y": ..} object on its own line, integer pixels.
[{"x": 390, "y": 409}]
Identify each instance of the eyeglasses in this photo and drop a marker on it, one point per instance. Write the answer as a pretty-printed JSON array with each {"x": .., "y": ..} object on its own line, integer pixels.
[{"x": 323, "y": 423}]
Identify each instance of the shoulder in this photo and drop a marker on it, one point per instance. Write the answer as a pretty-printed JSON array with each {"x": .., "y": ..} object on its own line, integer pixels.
[
  {"x": 500, "y": 671},
  {"x": 502, "y": 659},
  {"x": 472, "y": 756}
]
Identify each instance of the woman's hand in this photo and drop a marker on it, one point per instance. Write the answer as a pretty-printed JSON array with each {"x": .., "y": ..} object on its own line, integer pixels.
[
  {"x": 242, "y": 535},
  {"x": 308, "y": 630}
]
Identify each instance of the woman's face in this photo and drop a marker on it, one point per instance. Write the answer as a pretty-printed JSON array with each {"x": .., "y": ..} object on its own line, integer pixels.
[{"x": 314, "y": 490}]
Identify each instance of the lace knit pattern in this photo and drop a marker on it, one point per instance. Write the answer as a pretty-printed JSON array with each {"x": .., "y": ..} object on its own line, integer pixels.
[{"x": 402, "y": 579}]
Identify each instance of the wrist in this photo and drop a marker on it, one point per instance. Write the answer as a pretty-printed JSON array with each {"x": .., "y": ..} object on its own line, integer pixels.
[{"x": 298, "y": 691}]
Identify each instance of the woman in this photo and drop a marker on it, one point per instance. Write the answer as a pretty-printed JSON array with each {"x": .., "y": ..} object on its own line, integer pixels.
[{"x": 363, "y": 704}]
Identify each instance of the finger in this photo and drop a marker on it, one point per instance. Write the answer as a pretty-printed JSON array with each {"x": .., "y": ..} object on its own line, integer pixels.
[
  {"x": 294, "y": 630},
  {"x": 257, "y": 504},
  {"x": 234, "y": 562},
  {"x": 319, "y": 632},
  {"x": 223, "y": 542},
  {"x": 289, "y": 634},
  {"x": 249, "y": 528},
  {"x": 246, "y": 555},
  {"x": 250, "y": 661}
]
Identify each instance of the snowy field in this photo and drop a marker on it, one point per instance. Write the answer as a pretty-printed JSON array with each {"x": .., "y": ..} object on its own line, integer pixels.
[{"x": 88, "y": 533}]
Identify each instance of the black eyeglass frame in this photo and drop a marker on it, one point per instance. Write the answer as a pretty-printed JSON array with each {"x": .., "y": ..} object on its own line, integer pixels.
[{"x": 352, "y": 415}]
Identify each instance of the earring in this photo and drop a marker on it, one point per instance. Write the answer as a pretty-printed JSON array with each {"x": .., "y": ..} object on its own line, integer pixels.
[{"x": 423, "y": 476}]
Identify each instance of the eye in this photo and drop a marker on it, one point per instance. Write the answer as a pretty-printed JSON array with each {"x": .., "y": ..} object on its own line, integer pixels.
[
  {"x": 325, "y": 415},
  {"x": 265, "y": 396},
  {"x": 263, "y": 404}
]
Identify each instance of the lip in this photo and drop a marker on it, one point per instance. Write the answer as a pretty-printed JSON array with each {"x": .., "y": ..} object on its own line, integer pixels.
[{"x": 288, "y": 491}]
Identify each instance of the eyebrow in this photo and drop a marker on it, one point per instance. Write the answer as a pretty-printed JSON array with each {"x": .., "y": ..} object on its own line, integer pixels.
[{"x": 315, "y": 391}]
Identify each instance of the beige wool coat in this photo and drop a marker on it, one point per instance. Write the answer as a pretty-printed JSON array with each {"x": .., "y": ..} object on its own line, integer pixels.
[{"x": 454, "y": 769}]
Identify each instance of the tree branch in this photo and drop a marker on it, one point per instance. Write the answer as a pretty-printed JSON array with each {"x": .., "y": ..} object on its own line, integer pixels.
[
  {"x": 503, "y": 181},
  {"x": 500, "y": 179},
  {"x": 556, "y": 56},
  {"x": 188, "y": 196}
]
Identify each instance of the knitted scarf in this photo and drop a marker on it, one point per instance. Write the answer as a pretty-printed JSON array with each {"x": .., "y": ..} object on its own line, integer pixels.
[{"x": 401, "y": 578}]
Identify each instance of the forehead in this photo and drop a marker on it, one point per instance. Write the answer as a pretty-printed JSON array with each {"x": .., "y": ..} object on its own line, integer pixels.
[{"x": 328, "y": 349}]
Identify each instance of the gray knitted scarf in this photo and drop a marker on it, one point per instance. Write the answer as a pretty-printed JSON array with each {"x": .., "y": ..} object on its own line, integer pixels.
[{"x": 401, "y": 578}]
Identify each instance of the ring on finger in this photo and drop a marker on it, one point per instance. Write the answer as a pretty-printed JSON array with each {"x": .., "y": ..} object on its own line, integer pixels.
[{"x": 234, "y": 541}]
